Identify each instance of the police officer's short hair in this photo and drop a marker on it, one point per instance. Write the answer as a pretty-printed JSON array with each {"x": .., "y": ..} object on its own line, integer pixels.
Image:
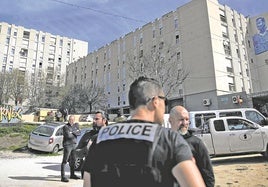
[{"x": 141, "y": 91}]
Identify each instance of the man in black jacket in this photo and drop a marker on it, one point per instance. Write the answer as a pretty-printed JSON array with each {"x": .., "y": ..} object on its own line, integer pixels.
[
  {"x": 100, "y": 120},
  {"x": 179, "y": 120},
  {"x": 70, "y": 132}
]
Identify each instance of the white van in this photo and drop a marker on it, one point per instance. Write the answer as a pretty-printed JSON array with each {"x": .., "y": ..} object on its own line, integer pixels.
[{"x": 197, "y": 117}]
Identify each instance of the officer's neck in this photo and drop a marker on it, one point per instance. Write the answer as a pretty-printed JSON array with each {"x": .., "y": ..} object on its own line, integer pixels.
[{"x": 143, "y": 115}]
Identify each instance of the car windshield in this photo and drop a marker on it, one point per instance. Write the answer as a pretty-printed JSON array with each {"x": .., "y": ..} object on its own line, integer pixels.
[{"x": 44, "y": 131}]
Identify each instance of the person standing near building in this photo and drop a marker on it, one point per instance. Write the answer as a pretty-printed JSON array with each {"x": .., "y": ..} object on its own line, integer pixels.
[
  {"x": 65, "y": 114},
  {"x": 179, "y": 120},
  {"x": 140, "y": 152},
  {"x": 70, "y": 132}
]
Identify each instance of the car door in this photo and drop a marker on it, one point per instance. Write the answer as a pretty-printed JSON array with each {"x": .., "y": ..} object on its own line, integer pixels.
[
  {"x": 59, "y": 137},
  {"x": 219, "y": 135},
  {"x": 243, "y": 137}
]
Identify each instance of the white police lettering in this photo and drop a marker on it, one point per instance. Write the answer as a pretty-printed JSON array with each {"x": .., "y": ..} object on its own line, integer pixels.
[{"x": 144, "y": 131}]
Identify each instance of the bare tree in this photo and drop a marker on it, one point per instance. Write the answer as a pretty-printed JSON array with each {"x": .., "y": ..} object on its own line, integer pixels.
[
  {"x": 79, "y": 99},
  {"x": 37, "y": 92},
  {"x": 161, "y": 64},
  {"x": 4, "y": 87},
  {"x": 16, "y": 88},
  {"x": 94, "y": 97}
]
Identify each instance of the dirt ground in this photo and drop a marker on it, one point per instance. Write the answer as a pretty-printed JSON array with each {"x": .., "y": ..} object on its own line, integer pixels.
[{"x": 244, "y": 171}]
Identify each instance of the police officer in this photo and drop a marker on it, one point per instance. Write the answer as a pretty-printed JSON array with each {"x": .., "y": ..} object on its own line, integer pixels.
[
  {"x": 70, "y": 132},
  {"x": 100, "y": 120},
  {"x": 140, "y": 152},
  {"x": 179, "y": 120}
]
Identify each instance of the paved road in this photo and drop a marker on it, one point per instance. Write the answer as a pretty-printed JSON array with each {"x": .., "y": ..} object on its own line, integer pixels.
[{"x": 38, "y": 171}]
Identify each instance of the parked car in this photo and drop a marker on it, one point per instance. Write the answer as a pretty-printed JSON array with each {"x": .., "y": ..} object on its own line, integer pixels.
[{"x": 47, "y": 137}]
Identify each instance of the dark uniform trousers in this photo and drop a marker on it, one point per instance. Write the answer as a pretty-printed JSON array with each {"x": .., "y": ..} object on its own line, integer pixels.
[{"x": 68, "y": 156}]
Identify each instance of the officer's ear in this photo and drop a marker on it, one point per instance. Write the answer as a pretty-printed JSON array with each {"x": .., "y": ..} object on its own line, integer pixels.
[{"x": 153, "y": 104}]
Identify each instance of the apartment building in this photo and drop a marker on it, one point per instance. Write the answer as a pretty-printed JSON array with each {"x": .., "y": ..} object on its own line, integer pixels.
[
  {"x": 211, "y": 42},
  {"x": 38, "y": 53}
]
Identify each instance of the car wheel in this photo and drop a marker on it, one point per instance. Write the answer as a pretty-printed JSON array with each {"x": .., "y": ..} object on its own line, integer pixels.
[
  {"x": 78, "y": 164},
  {"x": 55, "y": 149}
]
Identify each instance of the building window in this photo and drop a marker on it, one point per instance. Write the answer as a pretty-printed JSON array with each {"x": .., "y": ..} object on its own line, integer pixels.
[
  {"x": 141, "y": 40},
  {"x": 24, "y": 52},
  {"x": 226, "y": 46},
  {"x": 52, "y": 41},
  {"x": 118, "y": 99},
  {"x": 12, "y": 51},
  {"x": 222, "y": 15},
  {"x": 233, "y": 21},
  {"x": 7, "y": 40},
  {"x": 231, "y": 84},
  {"x": 61, "y": 42},
  {"x": 9, "y": 30},
  {"x": 153, "y": 33},
  {"x": 176, "y": 23},
  {"x": 178, "y": 55},
  {"x": 160, "y": 31},
  {"x": 229, "y": 65},
  {"x": 224, "y": 31},
  {"x": 237, "y": 52},
  {"x": 97, "y": 59},
  {"x": 26, "y": 35},
  {"x": 177, "y": 39},
  {"x": 43, "y": 38},
  {"x": 249, "y": 44},
  {"x": 236, "y": 38},
  {"x": 161, "y": 45},
  {"x": 36, "y": 37},
  {"x": 141, "y": 53},
  {"x": 4, "y": 59}
]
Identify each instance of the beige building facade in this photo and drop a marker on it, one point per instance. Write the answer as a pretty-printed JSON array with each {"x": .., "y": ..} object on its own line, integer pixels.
[
  {"x": 37, "y": 53},
  {"x": 211, "y": 42}
]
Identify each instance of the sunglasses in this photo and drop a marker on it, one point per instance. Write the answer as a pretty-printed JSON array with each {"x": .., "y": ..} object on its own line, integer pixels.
[
  {"x": 160, "y": 97},
  {"x": 96, "y": 119}
]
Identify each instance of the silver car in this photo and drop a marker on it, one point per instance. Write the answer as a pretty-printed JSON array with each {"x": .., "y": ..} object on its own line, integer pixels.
[{"x": 47, "y": 137}]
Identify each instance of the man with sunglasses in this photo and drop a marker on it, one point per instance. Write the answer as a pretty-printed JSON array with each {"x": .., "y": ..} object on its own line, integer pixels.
[
  {"x": 100, "y": 120},
  {"x": 140, "y": 152},
  {"x": 179, "y": 120}
]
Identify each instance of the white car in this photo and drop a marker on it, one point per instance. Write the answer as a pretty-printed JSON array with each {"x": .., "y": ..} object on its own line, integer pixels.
[{"x": 47, "y": 137}]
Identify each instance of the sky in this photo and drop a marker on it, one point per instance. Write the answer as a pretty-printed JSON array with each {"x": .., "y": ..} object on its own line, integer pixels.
[{"x": 99, "y": 22}]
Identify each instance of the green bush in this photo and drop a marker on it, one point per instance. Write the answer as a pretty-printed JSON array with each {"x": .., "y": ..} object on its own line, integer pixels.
[{"x": 20, "y": 129}]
